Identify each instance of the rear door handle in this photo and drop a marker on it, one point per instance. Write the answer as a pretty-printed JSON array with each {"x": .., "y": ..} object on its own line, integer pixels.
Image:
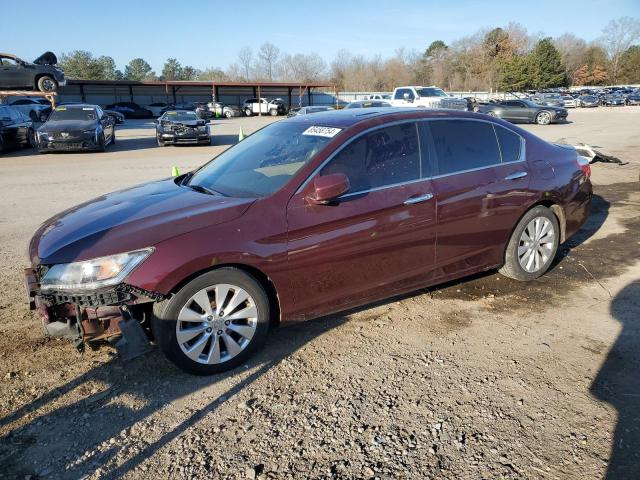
[
  {"x": 515, "y": 176},
  {"x": 418, "y": 199}
]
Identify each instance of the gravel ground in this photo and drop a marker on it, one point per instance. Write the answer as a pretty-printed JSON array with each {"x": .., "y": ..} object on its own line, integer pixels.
[{"x": 482, "y": 378}]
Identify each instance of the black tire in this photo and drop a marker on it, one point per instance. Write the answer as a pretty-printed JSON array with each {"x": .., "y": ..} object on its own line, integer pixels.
[
  {"x": 31, "y": 139},
  {"x": 248, "y": 112},
  {"x": 165, "y": 316},
  {"x": 113, "y": 137},
  {"x": 228, "y": 114},
  {"x": 273, "y": 112},
  {"x": 512, "y": 267},
  {"x": 47, "y": 84},
  {"x": 101, "y": 145},
  {"x": 543, "y": 118},
  {"x": 159, "y": 142}
]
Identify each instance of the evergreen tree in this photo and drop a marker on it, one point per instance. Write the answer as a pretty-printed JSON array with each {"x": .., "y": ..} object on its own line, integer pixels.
[
  {"x": 546, "y": 66},
  {"x": 138, "y": 69}
]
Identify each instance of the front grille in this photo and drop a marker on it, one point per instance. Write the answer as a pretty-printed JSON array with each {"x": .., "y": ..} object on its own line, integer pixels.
[
  {"x": 65, "y": 145},
  {"x": 453, "y": 104},
  {"x": 68, "y": 136},
  {"x": 184, "y": 130},
  {"x": 111, "y": 297}
]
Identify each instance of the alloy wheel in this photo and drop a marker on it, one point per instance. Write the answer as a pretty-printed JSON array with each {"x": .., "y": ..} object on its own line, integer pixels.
[
  {"x": 48, "y": 85},
  {"x": 216, "y": 324},
  {"x": 544, "y": 118},
  {"x": 536, "y": 244}
]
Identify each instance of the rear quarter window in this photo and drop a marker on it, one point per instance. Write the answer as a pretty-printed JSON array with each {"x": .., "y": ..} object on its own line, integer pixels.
[{"x": 510, "y": 144}]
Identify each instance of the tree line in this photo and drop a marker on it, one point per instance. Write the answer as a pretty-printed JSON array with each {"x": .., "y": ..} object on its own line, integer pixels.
[{"x": 502, "y": 58}]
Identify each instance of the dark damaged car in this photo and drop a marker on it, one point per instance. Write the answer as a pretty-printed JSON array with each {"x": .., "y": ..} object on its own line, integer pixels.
[
  {"x": 41, "y": 74},
  {"x": 524, "y": 111},
  {"x": 182, "y": 127},
  {"x": 76, "y": 127},
  {"x": 308, "y": 216}
]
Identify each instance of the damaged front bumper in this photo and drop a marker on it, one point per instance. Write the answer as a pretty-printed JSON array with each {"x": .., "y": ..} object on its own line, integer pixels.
[{"x": 93, "y": 317}]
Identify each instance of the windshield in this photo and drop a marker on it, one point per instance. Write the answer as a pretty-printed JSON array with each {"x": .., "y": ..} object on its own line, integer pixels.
[
  {"x": 180, "y": 116},
  {"x": 63, "y": 113},
  {"x": 431, "y": 92},
  {"x": 529, "y": 103},
  {"x": 263, "y": 162}
]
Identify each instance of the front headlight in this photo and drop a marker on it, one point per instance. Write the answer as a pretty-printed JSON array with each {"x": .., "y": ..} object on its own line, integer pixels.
[
  {"x": 43, "y": 136},
  {"x": 90, "y": 133},
  {"x": 95, "y": 273},
  {"x": 202, "y": 128}
]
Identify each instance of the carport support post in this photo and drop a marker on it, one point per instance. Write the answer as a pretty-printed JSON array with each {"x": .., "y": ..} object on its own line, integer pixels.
[
  {"x": 289, "y": 94},
  {"x": 259, "y": 103},
  {"x": 173, "y": 94},
  {"x": 82, "y": 96},
  {"x": 309, "y": 95},
  {"x": 131, "y": 93}
]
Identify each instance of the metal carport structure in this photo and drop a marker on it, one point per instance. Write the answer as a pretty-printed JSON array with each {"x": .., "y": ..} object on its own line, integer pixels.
[{"x": 104, "y": 92}]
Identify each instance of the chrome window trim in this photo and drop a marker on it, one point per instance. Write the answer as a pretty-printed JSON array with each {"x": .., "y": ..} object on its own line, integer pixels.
[{"x": 521, "y": 158}]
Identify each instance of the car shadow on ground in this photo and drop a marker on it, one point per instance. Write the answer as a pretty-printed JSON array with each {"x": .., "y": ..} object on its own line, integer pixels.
[
  {"x": 152, "y": 383},
  {"x": 618, "y": 384},
  {"x": 224, "y": 139},
  {"x": 597, "y": 217}
]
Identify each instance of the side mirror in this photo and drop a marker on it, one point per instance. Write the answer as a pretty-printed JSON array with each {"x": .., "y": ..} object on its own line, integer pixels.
[{"x": 328, "y": 188}]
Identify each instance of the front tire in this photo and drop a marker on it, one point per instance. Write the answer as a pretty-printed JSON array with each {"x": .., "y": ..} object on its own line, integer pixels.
[
  {"x": 47, "y": 84},
  {"x": 543, "y": 118},
  {"x": 159, "y": 141},
  {"x": 214, "y": 323},
  {"x": 273, "y": 112},
  {"x": 101, "y": 143},
  {"x": 228, "y": 114},
  {"x": 532, "y": 246}
]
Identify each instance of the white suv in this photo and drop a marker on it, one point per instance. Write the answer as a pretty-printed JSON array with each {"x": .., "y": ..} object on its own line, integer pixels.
[{"x": 262, "y": 105}]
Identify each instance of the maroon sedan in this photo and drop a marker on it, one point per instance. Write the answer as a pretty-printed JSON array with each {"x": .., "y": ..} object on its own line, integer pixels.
[{"x": 306, "y": 217}]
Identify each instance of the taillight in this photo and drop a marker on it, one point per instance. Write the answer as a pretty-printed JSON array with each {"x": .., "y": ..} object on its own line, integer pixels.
[{"x": 583, "y": 163}]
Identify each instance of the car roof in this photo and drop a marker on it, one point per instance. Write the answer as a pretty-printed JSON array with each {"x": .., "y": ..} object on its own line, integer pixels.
[
  {"x": 345, "y": 118},
  {"x": 178, "y": 110},
  {"x": 76, "y": 105}
]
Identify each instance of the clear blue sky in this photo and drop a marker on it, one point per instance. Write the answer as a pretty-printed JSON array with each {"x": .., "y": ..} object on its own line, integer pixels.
[{"x": 210, "y": 33}]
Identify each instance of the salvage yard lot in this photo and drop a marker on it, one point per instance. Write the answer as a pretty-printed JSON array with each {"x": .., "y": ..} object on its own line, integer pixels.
[{"x": 482, "y": 378}]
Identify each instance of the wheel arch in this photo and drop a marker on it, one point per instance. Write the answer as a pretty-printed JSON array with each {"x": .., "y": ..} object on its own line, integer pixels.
[{"x": 265, "y": 281}]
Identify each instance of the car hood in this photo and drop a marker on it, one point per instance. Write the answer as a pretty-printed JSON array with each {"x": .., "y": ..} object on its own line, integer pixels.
[
  {"x": 47, "y": 58},
  {"x": 187, "y": 123},
  {"x": 130, "y": 219},
  {"x": 68, "y": 125}
]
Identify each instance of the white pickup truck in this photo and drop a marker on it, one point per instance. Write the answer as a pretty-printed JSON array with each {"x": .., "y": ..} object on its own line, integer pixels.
[{"x": 426, "y": 97}]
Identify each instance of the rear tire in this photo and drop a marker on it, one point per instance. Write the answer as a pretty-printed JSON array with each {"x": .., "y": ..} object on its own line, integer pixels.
[
  {"x": 532, "y": 246},
  {"x": 248, "y": 112},
  {"x": 31, "y": 139},
  {"x": 226, "y": 339}
]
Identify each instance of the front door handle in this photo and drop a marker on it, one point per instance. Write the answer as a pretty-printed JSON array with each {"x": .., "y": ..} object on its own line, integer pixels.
[
  {"x": 515, "y": 176},
  {"x": 418, "y": 199}
]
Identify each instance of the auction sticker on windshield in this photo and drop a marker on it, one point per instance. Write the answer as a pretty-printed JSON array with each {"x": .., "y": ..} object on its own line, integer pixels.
[{"x": 328, "y": 132}]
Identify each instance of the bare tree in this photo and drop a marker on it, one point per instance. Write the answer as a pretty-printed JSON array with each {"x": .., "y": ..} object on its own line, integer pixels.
[
  {"x": 268, "y": 56},
  {"x": 572, "y": 50},
  {"x": 245, "y": 62},
  {"x": 617, "y": 36}
]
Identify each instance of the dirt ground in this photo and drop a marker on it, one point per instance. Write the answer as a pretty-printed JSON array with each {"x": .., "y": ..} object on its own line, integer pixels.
[{"x": 483, "y": 378}]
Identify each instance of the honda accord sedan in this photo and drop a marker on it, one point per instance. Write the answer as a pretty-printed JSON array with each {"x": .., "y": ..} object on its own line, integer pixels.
[{"x": 308, "y": 216}]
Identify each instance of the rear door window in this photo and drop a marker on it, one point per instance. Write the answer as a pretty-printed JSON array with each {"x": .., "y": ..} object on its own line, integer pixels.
[
  {"x": 462, "y": 145},
  {"x": 383, "y": 157}
]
